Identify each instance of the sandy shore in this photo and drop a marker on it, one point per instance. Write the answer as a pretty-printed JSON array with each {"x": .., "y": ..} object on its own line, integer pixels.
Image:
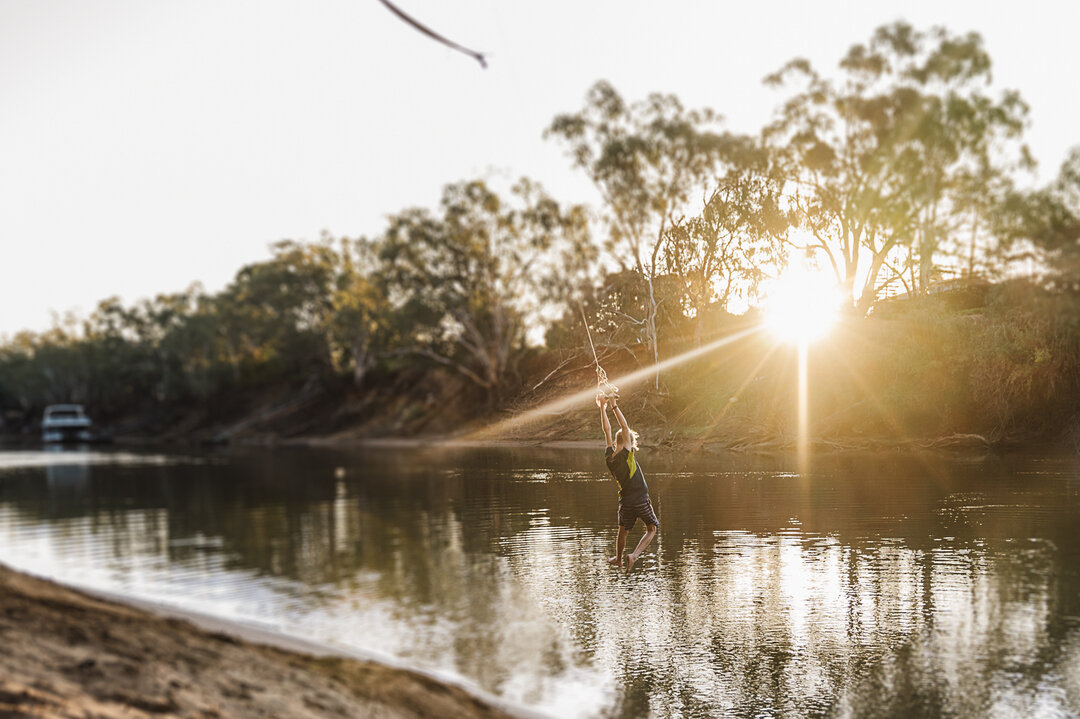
[{"x": 70, "y": 654}]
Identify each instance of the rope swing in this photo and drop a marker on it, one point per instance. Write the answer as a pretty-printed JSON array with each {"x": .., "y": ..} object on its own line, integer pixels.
[{"x": 603, "y": 387}]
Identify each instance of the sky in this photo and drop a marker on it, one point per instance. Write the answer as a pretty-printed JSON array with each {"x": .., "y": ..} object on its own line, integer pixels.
[{"x": 149, "y": 144}]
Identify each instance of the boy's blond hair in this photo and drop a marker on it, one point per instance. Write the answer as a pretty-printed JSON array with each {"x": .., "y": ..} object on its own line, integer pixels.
[{"x": 633, "y": 439}]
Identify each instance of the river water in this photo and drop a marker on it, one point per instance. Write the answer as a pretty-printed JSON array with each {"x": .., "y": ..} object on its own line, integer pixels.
[{"x": 862, "y": 586}]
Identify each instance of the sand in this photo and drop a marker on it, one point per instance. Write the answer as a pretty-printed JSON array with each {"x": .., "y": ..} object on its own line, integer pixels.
[{"x": 67, "y": 653}]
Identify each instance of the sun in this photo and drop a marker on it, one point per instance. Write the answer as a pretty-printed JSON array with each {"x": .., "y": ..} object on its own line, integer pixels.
[{"x": 802, "y": 305}]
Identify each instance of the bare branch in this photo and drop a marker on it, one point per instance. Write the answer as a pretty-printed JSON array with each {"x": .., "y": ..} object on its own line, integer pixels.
[
  {"x": 425, "y": 352},
  {"x": 479, "y": 57}
]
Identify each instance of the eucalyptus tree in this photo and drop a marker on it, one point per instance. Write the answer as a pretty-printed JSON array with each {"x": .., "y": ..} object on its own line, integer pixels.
[
  {"x": 891, "y": 160},
  {"x": 22, "y": 384},
  {"x": 196, "y": 344},
  {"x": 1048, "y": 218},
  {"x": 468, "y": 282},
  {"x": 736, "y": 240},
  {"x": 119, "y": 355},
  {"x": 648, "y": 160},
  {"x": 16, "y": 366},
  {"x": 364, "y": 325},
  {"x": 135, "y": 349},
  {"x": 39, "y": 368},
  {"x": 275, "y": 314},
  {"x": 1054, "y": 211}
]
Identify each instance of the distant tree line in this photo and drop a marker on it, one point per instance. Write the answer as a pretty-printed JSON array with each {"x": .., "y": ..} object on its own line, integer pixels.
[{"x": 900, "y": 167}]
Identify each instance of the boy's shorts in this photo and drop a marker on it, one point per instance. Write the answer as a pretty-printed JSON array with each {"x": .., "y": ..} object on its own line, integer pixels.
[{"x": 630, "y": 513}]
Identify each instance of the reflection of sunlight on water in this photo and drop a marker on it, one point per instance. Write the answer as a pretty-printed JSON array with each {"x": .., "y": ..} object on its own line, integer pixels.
[
  {"x": 517, "y": 597},
  {"x": 547, "y": 476},
  {"x": 546, "y": 562},
  {"x": 83, "y": 456},
  {"x": 806, "y": 610}
]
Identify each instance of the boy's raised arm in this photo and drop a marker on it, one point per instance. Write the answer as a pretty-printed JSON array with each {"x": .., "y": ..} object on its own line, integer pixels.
[
  {"x": 604, "y": 421},
  {"x": 622, "y": 420}
]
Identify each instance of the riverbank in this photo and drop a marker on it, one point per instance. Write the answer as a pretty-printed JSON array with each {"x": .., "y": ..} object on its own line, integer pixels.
[
  {"x": 71, "y": 654},
  {"x": 1002, "y": 376}
]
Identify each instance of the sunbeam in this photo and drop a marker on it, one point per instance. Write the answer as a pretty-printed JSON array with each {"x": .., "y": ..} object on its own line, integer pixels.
[
  {"x": 735, "y": 396},
  {"x": 803, "y": 438},
  {"x": 563, "y": 404},
  {"x": 900, "y": 433}
]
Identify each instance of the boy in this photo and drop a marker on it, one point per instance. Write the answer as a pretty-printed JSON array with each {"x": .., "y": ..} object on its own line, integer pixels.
[{"x": 633, "y": 492}]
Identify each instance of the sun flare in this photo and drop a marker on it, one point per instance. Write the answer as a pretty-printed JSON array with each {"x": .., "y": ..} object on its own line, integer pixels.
[{"x": 801, "y": 306}]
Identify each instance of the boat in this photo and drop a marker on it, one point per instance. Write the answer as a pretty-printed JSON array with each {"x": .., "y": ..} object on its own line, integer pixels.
[{"x": 66, "y": 423}]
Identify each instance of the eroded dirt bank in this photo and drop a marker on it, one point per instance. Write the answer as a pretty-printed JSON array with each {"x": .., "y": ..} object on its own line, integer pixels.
[{"x": 69, "y": 654}]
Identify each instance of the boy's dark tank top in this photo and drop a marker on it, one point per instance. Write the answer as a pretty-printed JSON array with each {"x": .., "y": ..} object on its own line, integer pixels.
[{"x": 624, "y": 467}]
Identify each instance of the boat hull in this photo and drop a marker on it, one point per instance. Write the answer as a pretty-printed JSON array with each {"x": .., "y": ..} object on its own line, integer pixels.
[{"x": 67, "y": 435}]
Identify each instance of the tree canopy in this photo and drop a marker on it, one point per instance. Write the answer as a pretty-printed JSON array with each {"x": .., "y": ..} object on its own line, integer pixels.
[
  {"x": 901, "y": 166},
  {"x": 893, "y": 160}
]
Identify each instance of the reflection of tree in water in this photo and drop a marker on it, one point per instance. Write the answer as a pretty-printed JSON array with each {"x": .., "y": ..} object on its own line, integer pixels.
[
  {"x": 996, "y": 644},
  {"x": 807, "y": 627},
  {"x": 876, "y": 589}
]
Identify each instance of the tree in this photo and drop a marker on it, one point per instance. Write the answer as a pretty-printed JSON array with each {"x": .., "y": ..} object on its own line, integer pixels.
[
  {"x": 887, "y": 162},
  {"x": 646, "y": 159},
  {"x": 468, "y": 282},
  {"x": 133, "y": 349},
  {"x": 275, "y": 314},
  {"x": 1048, "y": 218},
  {"x": 363, "y": 320},
  {"x": 727, "y": 249},
  {"x": 47, "y": 367}
]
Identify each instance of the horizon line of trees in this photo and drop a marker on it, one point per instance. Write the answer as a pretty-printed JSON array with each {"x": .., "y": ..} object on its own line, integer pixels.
[{"x": 900, "y": 166}]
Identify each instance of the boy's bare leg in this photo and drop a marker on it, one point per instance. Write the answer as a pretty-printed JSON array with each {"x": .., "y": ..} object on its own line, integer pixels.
[
  {"x": 646, "y": 538},
  {"x": 620, "y": 544}
]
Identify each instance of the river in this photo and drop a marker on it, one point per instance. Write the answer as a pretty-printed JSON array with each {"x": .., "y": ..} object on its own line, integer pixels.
[{"x": 868, "y": 585}]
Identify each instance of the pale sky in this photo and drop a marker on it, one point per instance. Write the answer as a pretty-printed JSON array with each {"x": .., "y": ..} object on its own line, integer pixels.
[{"x": 147, "y": 144}]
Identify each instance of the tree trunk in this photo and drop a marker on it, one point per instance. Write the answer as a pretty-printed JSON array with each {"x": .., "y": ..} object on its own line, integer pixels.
[
  {"x": 971, "y": 250},
  {"x": 650, "y": 326},
  {"x": 926, "y": 261}
]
